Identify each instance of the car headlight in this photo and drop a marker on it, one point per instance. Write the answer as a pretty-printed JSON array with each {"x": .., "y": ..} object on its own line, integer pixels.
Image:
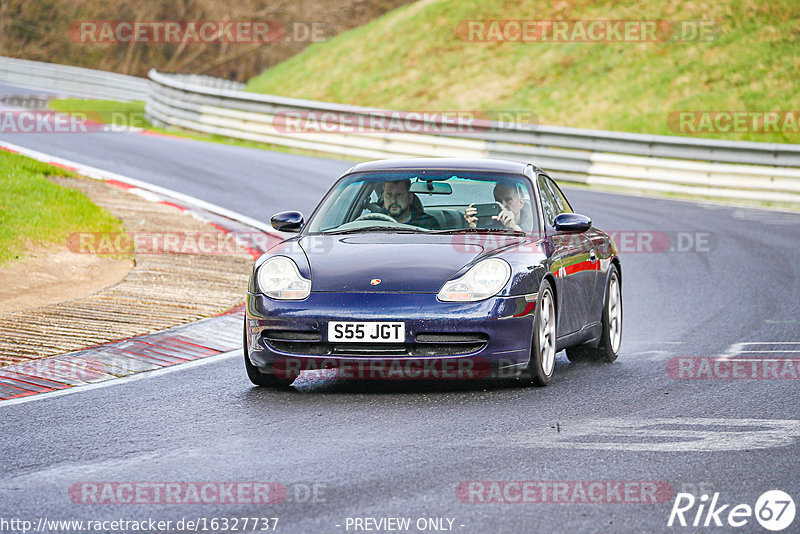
[
  {"x": 279, "y": 278},
  {"x": 485, "y": 279}
]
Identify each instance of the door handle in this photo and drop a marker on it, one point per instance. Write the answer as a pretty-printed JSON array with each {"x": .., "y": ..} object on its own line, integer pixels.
[{"x": 592, "y": 256}]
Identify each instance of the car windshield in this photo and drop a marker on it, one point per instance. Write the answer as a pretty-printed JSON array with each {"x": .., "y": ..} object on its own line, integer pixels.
[{"x": 426, "y": 201}]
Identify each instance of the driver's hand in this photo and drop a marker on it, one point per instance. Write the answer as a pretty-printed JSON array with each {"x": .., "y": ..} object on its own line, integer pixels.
[
  {"x": 506, "y": 218},
  {"x": 470, "y": 215}
]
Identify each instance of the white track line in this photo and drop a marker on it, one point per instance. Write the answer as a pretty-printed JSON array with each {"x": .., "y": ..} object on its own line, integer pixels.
[
  {"x": 100, "y": 174},
  {"x": 124, "y": 379}
]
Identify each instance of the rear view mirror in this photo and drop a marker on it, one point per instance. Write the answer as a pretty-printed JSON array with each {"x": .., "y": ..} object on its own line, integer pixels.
[
  {"x": 572, "y": 223},
  {"x": 431, "y": 187},
  {"x": 287, "y": 221}
]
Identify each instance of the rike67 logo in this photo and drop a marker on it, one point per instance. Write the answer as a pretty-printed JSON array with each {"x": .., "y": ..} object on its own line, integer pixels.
[{"x": 774, "y": 510}]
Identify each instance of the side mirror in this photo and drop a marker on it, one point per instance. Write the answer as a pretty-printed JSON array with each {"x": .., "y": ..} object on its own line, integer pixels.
[
  {"x": 287, "y": 221},
  {"x": 572, "y": 223}
]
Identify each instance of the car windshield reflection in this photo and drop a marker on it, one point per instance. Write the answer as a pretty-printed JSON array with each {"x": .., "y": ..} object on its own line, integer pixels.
[{"x": 425, "y": 201}]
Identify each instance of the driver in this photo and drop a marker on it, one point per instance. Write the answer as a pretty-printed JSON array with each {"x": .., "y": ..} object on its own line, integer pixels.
[
  {"x": 398, "y": 203},
  {"x": 511, "y": 215}
]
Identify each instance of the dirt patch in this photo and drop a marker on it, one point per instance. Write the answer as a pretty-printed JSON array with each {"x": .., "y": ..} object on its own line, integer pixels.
[
  {"x": 53, "y": 275},
  {"x": 161, "y": 290}
]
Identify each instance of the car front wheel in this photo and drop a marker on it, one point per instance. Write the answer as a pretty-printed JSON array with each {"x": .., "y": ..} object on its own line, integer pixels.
[{"x": 543, "y": 348}]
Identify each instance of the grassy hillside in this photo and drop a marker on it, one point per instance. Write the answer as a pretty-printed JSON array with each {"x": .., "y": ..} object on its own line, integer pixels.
[{"x": 413, "y": 58}]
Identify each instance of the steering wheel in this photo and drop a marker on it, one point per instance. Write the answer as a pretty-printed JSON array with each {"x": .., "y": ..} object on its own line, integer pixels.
[
  {"x": 374, "y": 207},
  {"x": 376, "y": 217}
]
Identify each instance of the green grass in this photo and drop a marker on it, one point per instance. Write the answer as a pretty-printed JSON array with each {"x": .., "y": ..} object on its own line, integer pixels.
[
  {"x": 132, "y": 114},
  {"x": 412, "y": 59},
  {"x": 105, "y": 111},
  {"x": 36, "y": 212}
]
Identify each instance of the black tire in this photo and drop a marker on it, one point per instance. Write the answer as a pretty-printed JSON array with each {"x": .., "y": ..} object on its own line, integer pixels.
[
  {"x": 605, "y": 351},
  {"x": 258, "y": 378},
  {"x": 536, "y": 374}
]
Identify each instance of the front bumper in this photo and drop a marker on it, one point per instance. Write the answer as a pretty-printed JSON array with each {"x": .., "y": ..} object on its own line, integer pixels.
[{"x": 443, "y": 339}]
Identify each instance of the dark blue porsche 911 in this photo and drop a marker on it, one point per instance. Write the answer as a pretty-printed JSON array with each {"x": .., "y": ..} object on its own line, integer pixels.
[{"x": 434, "y": 268}]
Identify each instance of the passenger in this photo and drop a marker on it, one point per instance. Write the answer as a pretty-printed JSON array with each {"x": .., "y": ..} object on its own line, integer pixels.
[{"x": 512, "y": 214}]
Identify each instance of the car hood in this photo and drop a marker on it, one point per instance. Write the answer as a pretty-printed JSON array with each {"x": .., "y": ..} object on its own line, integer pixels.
[{"x": 404, "y": 263}]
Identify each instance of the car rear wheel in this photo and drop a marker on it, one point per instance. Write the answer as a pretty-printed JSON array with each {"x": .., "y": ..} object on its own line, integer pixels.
[
  {"x": 257, "y": 377},
  {"x": 543, "y": 347},
  {"x": 607, "y": 348}
]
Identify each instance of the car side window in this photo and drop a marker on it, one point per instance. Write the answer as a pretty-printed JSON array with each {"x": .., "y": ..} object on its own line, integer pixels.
[
  {"x": 549, "y": 206},
  {"x": 562, "y": 205},
  {"x": 333, "y": 217},
  {"x": 371, "y": 203}
]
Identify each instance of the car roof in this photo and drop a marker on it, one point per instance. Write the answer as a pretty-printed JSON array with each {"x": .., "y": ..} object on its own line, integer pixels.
[{"x": 496, "y": 165}]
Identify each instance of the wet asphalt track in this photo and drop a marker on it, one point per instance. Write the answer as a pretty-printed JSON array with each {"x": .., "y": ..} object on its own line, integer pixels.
[{"x": 401, "y": 450}]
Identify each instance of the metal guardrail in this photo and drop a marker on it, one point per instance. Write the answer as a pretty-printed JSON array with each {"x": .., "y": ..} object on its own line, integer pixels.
[
  {"x": 207, "y": 81},
  {"x": 743, "y": 170},
  {"x": 65, "y": 80}
]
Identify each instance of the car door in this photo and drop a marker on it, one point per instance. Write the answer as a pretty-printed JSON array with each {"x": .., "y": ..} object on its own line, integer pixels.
[
  {"x": 601, "y": 253},
  {"x": 577, "y": 266}
]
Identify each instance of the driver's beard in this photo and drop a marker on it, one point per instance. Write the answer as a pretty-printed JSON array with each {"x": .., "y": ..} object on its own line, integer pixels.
[{"x": 398, "y": 213}]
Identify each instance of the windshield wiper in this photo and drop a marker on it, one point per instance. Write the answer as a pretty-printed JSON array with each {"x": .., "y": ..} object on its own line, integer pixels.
[
  {"x": 387, "y": 229},
  {"x": 479, "y": 230}
]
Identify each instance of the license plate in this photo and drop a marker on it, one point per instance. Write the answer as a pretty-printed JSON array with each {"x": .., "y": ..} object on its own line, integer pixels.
[{"x": 352, "y": 332}]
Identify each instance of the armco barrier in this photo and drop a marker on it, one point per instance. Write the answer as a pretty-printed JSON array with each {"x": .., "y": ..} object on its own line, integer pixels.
[
  {"x": 64, "y": 80},
  {"x": 670, "y": 164},
  {"x": 735, "y": 170}
]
